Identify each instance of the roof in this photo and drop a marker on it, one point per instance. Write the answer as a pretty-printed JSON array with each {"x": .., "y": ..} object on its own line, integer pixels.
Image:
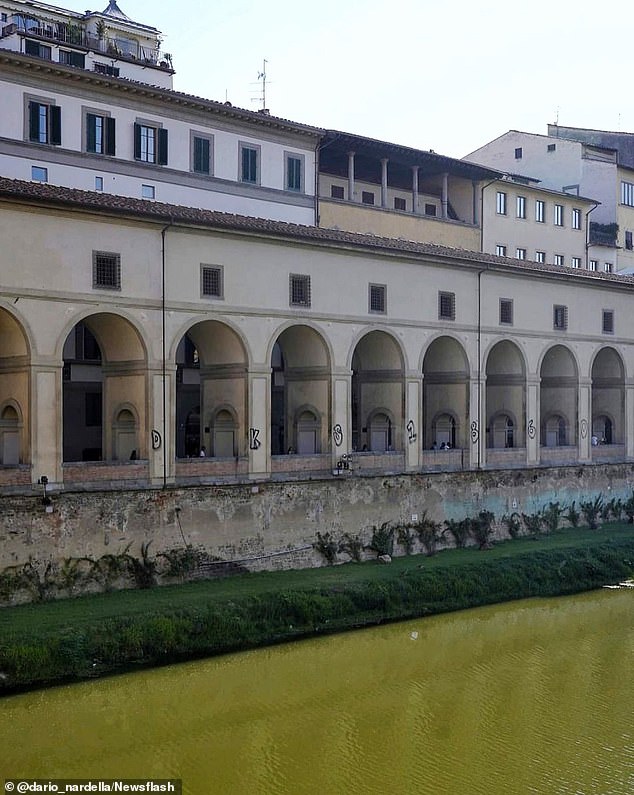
[{"x": 51, "y": 196}]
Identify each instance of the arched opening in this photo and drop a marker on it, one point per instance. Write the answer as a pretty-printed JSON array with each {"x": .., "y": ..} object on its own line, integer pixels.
[
  {"x": 300, "y": 392},
  {"x": 125, "y": 434},
  {"x": 602, "y": 430},
  {"x": 558, "y": 398},
  {"x": 15, "y": 391},
  {"x": 502, "y": 432},
  {"x": 555, "y": 433},
  {"x": 505, "y": 396},
  {"x": 378, "y": 394},
  {"x": 608, "y": 398},
  {"x": 211, "y": 392},
  {"x": 10, "y": 426},
  {"x": 445, "y": 394}
]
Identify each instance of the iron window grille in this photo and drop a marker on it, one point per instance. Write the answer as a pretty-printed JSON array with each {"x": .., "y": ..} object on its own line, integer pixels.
[
  {"x": 211, "y": 281},
  {"x": 106, "y": 270},
  {"x": 446, "y": 306},
  {"x": 560, "y": 317},
  {"x": 299, "y": 290},
  {"x": 506, "y": 311},
  {"x": 608, "y": 321},
  {"x": 378, "y": 298}
]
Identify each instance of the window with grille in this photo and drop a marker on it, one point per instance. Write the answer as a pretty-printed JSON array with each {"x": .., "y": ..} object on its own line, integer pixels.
[
  {"x": 518, "y": 153},
  {"x": 211, "y": 285},
  {"x": 400, "y": 203},
  {"x": 430, "y": 209},
  {"x": 336, "y": 191},
  {"x": 560, "y": 317},
  {"x": 106, "y": 270},
  {"x": 299, "y": 290},
  {"x": 506, "y": 311},
  {"x": 367, "y": 197},
  {"x": 378, "y": 298},
  {"x": 446, "y": 306},
  {"x": 608, "y": 321}
]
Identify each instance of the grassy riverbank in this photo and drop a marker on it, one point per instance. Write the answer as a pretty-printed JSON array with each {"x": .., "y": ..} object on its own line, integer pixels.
[{"x": 95, "y": 635}]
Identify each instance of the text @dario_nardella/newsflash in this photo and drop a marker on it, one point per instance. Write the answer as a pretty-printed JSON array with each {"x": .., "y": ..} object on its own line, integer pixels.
[{"x": 19, "y": 786}]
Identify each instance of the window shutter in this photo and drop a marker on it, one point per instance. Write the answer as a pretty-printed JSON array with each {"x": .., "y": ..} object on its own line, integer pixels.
[
  {"x": 56, "y": 124},
  {"x": 34, "y": 121},
  {"x": 91, "y": 133},
  {"x": 110, "y": 135},
  {"x": 201, "y": 155},
  {"x": 137, "y": 141},
  {"x": 162, "y": 147}
]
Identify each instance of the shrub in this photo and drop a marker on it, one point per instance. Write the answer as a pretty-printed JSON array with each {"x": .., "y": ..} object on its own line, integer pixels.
[
  {"x": 591, "y": 509},
  {"x": 550, "y": 516},
  {"x": 406, "y": 539},
  {"x": 513, "y": 524},
  {"x": 460, "y": 531},
  {"x": 533, "y": 523},
  {"x": 351, "y": 545},
  {"x": 573, "y": 514},
  {"x": 482, "y": 529},
  {"x": 382, "y": 539},
  {"x": 428, "y": 532},
  {"x": 326, "y": 546}
]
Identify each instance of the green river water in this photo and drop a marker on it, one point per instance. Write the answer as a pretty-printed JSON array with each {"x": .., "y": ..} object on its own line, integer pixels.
[{"x": 525, "y": 697}]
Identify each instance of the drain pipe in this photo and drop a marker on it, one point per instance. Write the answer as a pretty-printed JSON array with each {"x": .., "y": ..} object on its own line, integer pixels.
[
  {"x": 480, "y": 272},
  {"x": 163, "y": 351}
]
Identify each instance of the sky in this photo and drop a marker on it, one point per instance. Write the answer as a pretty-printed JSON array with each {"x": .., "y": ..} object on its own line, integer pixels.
[{"x": 448, "y": 76}]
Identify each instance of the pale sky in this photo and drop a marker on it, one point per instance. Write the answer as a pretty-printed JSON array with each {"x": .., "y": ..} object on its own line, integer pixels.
[{"x": 447, "y": 76}]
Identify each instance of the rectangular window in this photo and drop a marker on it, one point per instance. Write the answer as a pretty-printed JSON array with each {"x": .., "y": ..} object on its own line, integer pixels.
[
  {"x": 377, "y": 298},
  {"x": 551, "y": 147},
  {"x": 45, "y": 123},
  {"x": 628, "y": 240},
  {"x": 520, "y": 253},
  {"x": 337, "y": 192},
  {"x": 500, "y": 251},
  {"x": 100, "y": 134},
  {"x": 106, "y": 69},
  {"x": 400, "y": 203},
  {"x": 559, "y": 260},
  {"x": 150, "y": 144},
  {"x": 540, "y": 213},
  {"x": 211, "y": 282},
  {"x": 99, "y": 183},
  {"x": 71, "y": 58},
  {"x": 560, "y": 317},
  {"x": 518, "y": 153},
  {"x": 294, "y": 173},
  {"x": 430, "y": 209},
  {"x": 249, "y": 167},
  {"x": 627, "y": 193},
  {"x": 299, "y": 290},
  {"x": 540, "y": 256},
  {"x": 148, "y": 192},
  {"x": 506, "y": 311},
  {"x": 521, "y": 206},
  {"x": 575, "y": 262},
  {"x": 558, "y": 217},
  {"x": 367, "y": 197},
  {"x": 608, "y": 321},
  {"x": 37, "y": 50},
  {"x": 593, "y": 265},
  {"x": 500, "y": 203},
  {"x": 106, "y": 270},
  {"x": 446, "y": 306},
  {"x": 201, "y": 154},
  {"x": 608, "y": 267},
  {"x": 39, "y": 174},
  {"x": 576, "y": 219}
]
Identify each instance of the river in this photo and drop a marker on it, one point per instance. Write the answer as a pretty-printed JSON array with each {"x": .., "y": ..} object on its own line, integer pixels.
[{"x": 526, "y": 697}]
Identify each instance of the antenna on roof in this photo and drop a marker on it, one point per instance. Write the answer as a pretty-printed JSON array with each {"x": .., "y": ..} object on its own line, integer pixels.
[{"x": 262, "y": 97}]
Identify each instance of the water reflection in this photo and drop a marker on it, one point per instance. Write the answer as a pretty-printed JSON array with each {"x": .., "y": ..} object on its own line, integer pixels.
[{"x": 528, "y": 697}]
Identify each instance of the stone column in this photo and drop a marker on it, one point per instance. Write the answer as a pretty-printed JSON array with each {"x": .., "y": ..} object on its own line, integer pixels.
[
  {"x": 415, "y": 209},
  {"x": 584, "y": 413},
  {"x": 413, "y": 438},
  {"x": 162, "y": 442},
  {"x": 445, "y": 195},
  {"x": 351, "y": 191},
  {"x": 476, "y": 432},
  {"x": 46, "y": 422},
  {"x": 533, "y": 421},
  {"x": 259, "y": 431},
  {"x": 341, "y": 430},
  {"x": 629, "y": 418},
  {"x": 384, "y": 182}
]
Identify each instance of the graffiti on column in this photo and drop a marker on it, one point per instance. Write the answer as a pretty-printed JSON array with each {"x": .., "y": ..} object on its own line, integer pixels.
[
  {"x": 475, "y": 432},
  {"x": 156, "y": 440},
  {"x": 254, "y": 439},
  {"x": 531, "y": 429},
  {"x": 411, "y": 432},
  {"x": 583, "y": 427},
  {"x": 337, "y": 435}
]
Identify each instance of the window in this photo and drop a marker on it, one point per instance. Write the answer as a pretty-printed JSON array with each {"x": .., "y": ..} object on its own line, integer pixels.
[
  {"x": 367, "y": 197},
  {"x": 500, "y": 203},
  {"x": 45, "y": 123},
  {"x": 106, "y": 69},
  {"x": 211, "y": 282},
  {"x": 560, "y": 317},
  {"x": 628, "y": 240},
  {"x": 150, "y": 144},
  {"x": 299, "y": 290},
  {"x": 39, "y": 174},
  {"x": 575, "y": 262},
  {"x": 506, "y": 311},
  {"x": 608, "y": 267},
  {"x": 607, "y": 325},
  {"x": 446, "y": 306},
  {"x": 3, "y": 17},
  {"x": 37, "y": 50},
  {"x": 430, "y": 209},
  {"x": 500, "y": 251},
  {"x": 540, "y": 256},
  {"x": 558, "y": 218},
  {"x": 520, "y": 253},
  {"x": 520, "y": 205},
  {"x": 148, "y": 192},
  {"x": 294, "y": 179},
  {"x": 336, "y": 192},
  {"x": 106, "y": 270},
  {"x": 249, "y": 165},
  {"x": 100, "y": 134},
  {"x": 576, "y": 219},
  {"x": 551, "y": 147},
  {"x": 400, "y": 203},
  {"x": 518, "y": 153},
  {"x": 99, "y": 183},
  {"x": 559, "y": 260},
  {"x": 540, "y": 214},
  {"x": 71, "y": 58},
  {"x": 593, "y": 265},
  {"x": 378, "y": 298},
  {"x": 627, "y": 193},
  {"x": 201, "y": 152}
]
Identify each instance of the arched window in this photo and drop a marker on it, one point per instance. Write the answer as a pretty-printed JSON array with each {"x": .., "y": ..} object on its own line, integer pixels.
[
  {"x": 308, "y": 432},
  {"x": 223, "y": 434},
  {"x": 125, "y": 436},
  {"x": 603, "y": 429},
  {"x": 380, "y": 432},
  {"x": 556, "y": 431},
  {"x": 502, "y": 431},
  {"x": 444, "y": 431},
  {"x": 9, "y": 437}
]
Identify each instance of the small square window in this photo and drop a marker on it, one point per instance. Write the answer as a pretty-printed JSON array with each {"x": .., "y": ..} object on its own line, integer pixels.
[
  {"x": 608, "y": 267},
  {"x": 500, "y": 251},
  {"x": 378, "y": 298},
  {"x": 39, "y": 174},
  {"x": 367, "y": 197},
  {"x": 446, "y": 306},
  {"x": 211, "y": 281},
  {"x": 148, "y": 192},
  {"x": 518, "y": 153},
  {"x": 593, "y": 265},
  {"x": 520, "y": 253},
  {"x": 608, "y": 321},
  {"x": 400, "y": 203},
  {"x": 559, "y": 260},
  {"x": 336, "y": 192},
  {"x": 575, "y": 262},
  {"x": 106, "y": 270},
  {"x": 99, "y": 183},
  {"x": 540, "y": 256},
  {"x": 506, "y": 311},
  {"x": 551, "y": 147},
  {"x": 430, "y": 209},
  {"x": 299, "y": 290},
  {"x": 560, "y": 317}
]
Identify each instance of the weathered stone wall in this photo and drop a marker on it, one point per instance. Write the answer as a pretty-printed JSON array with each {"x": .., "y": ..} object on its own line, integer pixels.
[{"x": 275, "y": 524}]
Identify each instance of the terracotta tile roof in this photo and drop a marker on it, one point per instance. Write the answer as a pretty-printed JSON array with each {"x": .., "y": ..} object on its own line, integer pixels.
[{"x": 37, "y": 193}]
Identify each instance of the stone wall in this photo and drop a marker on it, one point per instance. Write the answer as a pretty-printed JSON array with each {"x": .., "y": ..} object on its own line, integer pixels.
[{"x": 274, "y": 525}]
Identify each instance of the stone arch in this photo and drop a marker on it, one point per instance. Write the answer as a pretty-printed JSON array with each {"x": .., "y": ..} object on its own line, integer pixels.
[
  {"x": 445, "y": 389},
  {"x": 556, "y": 430},
  {"x": 300, "y": 378},
  {"x": 608, "y": 396},
  {"x": 10, "y": 434},
  {"x": 224, "y": 425},
  {"x": 380, "y": 424},
  {"x": 308, "y": 430},
  {"x": 211, "y": 374},
  {"x": 445, "y": 430},
  {"x": 559, "y": 397},
  {"x": 105, "y": 366},
  {"x": 505, "y": 370},
  {"x": 378, "y": 386},
  {"x": 15, "y": 390},
  {"x": 125, "y": 433}
]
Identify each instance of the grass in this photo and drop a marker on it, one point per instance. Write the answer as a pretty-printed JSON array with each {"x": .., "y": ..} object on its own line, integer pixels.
[{"x": 75, "y": 638}]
